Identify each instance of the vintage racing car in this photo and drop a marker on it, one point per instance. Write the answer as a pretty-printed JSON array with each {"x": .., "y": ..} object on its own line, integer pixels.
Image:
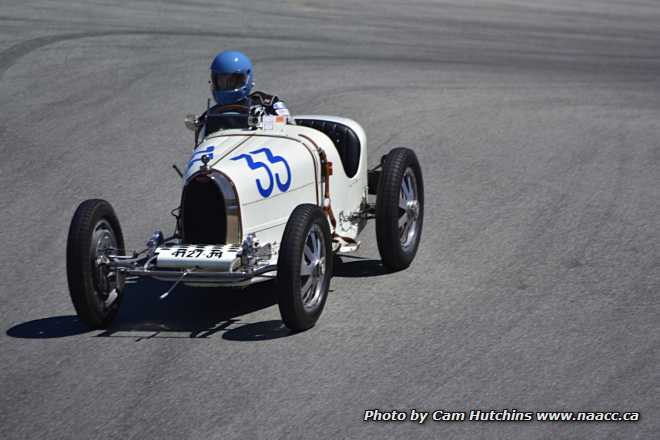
[{"x": 261, "y": 199}]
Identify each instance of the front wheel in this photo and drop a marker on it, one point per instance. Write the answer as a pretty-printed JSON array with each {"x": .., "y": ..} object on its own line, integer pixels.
[
  {"x": 304, "y": 267},
  {"x": 399, "y": 208},
  {"x": 95, "y": 288}
]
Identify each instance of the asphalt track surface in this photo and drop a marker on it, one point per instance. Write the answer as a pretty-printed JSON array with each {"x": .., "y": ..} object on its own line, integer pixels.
[{"x": 536, "y": 283}]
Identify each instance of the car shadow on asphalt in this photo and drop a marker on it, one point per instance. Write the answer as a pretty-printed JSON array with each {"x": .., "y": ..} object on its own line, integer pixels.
[
  {"x": 351, "y": 266},
  {"x": 189, "y": 312}
]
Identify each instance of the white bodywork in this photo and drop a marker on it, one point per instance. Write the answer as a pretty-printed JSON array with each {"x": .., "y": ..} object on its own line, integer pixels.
[{"x": 267, "y": 199}]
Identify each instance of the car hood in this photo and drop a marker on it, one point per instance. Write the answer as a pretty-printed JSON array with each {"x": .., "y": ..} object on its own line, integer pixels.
[{"x": 261, "y": 166}]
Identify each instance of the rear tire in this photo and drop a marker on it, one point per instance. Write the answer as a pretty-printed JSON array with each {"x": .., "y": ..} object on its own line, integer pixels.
[
  {"x": 96, "y": 291},
  {"x": 304, "y": 267},
  {"x": 399, "y": 208}
]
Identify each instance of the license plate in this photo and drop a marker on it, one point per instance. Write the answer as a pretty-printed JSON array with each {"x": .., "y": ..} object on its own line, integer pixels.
[
  {"x": 214, "y": 257},
  {"x": 196, "y": 252}
]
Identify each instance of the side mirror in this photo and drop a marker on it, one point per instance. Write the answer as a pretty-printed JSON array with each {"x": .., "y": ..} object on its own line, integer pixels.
[{"x": 191, "y": 121}]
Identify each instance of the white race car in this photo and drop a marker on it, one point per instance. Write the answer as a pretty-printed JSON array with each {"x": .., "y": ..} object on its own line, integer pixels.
[{"x": 261, "y": 199}]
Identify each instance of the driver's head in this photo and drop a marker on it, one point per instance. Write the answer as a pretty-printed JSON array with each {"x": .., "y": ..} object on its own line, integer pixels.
[{"x": 231, "y": 77}]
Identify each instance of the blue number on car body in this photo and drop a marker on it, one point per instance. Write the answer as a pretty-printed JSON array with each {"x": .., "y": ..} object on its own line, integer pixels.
[
  {"x": 254, "y": 165},
  {"x": 197, "y": 156},
  {"x": 273, "y": 159}
]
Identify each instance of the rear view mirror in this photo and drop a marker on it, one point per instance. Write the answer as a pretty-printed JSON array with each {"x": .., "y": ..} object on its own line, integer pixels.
[{"x": 191, "y": 121}]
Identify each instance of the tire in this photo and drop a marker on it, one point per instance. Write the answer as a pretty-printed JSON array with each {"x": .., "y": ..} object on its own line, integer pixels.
[
  {"x": 96, "y": 291},
  {"x": 397, "y": 201},
  {"x": 300, "y": 302}
]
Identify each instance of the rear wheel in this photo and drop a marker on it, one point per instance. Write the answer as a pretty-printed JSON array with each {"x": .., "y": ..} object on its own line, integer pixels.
[
  {"x": 95, "y": 289},
  {"x": 399, "y": 208},
  {"x": 304, "y": 267}
]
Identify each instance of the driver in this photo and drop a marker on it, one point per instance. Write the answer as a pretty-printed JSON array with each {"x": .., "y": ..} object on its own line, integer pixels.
[{"x": 231, "y": 83}]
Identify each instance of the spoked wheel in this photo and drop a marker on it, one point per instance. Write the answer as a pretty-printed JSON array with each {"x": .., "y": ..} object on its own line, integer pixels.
[
  {"x": 312, "y": 268},
  {"x": 408, "y": 209},
  {"x": 399, "y": 208},
  {"x": 95, "y": 288},
  {"x": 304, "y": 267}
]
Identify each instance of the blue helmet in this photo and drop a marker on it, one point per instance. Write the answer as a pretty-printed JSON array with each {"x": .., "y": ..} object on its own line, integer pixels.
[{"x": 231, "y": 77}]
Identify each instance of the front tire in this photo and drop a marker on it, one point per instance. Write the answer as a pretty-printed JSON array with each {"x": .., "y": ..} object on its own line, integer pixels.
[
  {"x": 399, "y": 208},
  {"x": 304, "y": 267},
  {"x": 95, "y": 289}
]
